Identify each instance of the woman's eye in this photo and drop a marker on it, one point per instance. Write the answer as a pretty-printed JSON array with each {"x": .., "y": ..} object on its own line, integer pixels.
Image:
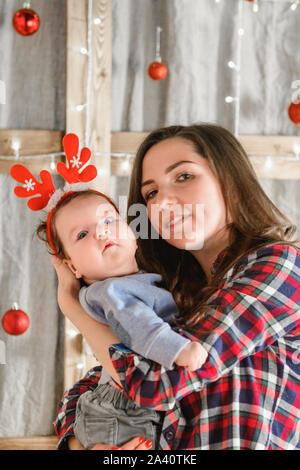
[
  {"x": 79, "y": 237},
  {"x": 149, "y": 195},
  {"x": 186, "y": 176}
]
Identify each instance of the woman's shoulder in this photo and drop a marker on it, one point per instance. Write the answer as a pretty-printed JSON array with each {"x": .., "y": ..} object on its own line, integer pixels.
[
  {"x": 273, "y": 255},
  {"x": 273, "y": 251}
]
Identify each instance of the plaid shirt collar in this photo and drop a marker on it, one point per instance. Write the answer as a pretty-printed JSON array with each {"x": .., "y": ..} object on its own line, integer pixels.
[{"x": 218, "y": 259}]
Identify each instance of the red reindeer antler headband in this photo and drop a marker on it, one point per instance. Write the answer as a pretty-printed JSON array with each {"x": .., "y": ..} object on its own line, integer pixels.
[{"x": 50, "y": 198}]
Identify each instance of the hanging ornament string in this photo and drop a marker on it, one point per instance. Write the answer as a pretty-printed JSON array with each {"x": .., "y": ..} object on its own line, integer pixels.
[
  {"x": 157, "y": 70},
  {"x": 240, "y": 34}
]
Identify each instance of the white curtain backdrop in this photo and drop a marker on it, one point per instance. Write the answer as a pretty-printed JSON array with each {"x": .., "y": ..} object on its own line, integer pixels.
[{"x": 199, "y": 37}]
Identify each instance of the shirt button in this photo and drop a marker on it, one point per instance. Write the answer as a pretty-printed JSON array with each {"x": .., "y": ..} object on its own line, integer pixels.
[{"x": 169, "y": 436}]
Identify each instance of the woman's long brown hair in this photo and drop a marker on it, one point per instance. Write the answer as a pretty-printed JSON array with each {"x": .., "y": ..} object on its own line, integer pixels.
[{"x": 256, "y": 221}]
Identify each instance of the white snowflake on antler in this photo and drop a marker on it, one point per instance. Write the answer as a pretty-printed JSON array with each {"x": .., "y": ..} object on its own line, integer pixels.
[
  {"x": 76, "y": 162},
  {"x": 29, "y": 184}
]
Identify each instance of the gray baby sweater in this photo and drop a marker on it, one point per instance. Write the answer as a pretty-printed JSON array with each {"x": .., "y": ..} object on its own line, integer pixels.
[{"x": 138, "y": 313}]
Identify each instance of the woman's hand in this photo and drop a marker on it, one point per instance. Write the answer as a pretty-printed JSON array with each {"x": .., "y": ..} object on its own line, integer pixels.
[
  {"x": 68, "y": 286},
  {"x": 74, "y": 444},
  {"x": 137, "y": 443}
]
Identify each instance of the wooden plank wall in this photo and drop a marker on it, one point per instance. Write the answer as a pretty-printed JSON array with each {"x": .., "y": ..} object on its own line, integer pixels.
[{"x": 88, "y": 84}]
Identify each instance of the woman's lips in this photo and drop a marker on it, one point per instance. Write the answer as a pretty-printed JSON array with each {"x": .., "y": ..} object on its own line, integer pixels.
[{"x": 179, "y": 220}]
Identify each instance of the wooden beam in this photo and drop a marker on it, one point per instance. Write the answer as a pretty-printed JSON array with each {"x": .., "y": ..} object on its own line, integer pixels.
[
  {"x": 255, "y": 145},
  {"x": 276, "y": 168},
  {"x": 38, "y": 142},
  {"x": 280, "y": 148},
  {"x": 30, "y": 142},
  {"x": 126, "y": 142},
  {"x": 29, "y": 443},
  {"x": 270, "y": 145}
]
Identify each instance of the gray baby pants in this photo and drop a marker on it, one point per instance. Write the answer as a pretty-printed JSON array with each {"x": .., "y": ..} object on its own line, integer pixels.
[{"x": 105, "y": 415}]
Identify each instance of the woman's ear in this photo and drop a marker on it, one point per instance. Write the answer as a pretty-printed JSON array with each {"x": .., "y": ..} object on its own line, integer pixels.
[{"x": 70, "y": 265}]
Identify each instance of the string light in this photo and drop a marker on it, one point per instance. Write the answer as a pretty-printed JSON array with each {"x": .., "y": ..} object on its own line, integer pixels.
[
  {"x": 78, "y": 107},
  {"x": 296, "y": 149},
  {"x": 15, "y": 145},
  {"x": 236, "y": 66},
  {"x": 30, "y": 157},
  {"x": 268, "y": 163},
  {"x": 294, "y": 5},
  {"x": 125, "y": 165},
  {"x": 232, "y": 65},
  {"x": 255, "y": 6},
  {"x": 61, "y": 154},
  {"x": 230, "y": 99},
  {"x": 52, "y": 164}
]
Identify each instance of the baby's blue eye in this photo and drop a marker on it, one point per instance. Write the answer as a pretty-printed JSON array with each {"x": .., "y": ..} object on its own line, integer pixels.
[
  {"x": 80, "y": 237},
  {"x": 108, "y": 220}
]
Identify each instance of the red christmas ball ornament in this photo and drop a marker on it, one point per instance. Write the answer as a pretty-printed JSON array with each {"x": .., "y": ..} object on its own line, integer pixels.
[
  {"x": 26, "y": 21},
  {"x": 15, "y": 321},
  {"x": 294, "y": 113},
  {"x": 157, "y": 70}
]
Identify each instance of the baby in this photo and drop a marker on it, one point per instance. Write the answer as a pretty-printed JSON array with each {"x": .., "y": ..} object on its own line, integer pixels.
[{"x": 99, "y": 248}]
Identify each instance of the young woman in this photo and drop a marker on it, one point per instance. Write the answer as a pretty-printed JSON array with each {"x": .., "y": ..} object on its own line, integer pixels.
[{"x": 235, "y": 278}]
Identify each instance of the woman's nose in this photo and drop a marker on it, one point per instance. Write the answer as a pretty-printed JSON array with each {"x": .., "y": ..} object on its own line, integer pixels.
[{"x": 166, "y": 200}]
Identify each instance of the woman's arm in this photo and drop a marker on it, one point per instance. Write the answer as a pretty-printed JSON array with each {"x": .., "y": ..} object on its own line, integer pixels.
[
  {"x": 98, "y": 336},
  {"x": 127, "y": 305},
  {"x": 260, "y": 305}
]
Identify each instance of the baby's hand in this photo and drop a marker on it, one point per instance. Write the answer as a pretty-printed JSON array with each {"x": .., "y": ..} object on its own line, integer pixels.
[{"x": 192, "y": 356}]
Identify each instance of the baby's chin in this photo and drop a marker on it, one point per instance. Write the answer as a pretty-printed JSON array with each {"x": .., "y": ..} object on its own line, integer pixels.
[{"x": 120, "y": 272}]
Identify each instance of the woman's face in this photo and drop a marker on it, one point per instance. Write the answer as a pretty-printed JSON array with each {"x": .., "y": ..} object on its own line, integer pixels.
[{"x": 183, "y": 197}]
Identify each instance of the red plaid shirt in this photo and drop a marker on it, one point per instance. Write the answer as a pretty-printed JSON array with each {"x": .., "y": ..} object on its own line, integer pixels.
[{"x": 247, "y": 394}]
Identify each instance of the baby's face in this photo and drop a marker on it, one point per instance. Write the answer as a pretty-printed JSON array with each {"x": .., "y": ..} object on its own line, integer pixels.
[{"x": 97, "y": 240}]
